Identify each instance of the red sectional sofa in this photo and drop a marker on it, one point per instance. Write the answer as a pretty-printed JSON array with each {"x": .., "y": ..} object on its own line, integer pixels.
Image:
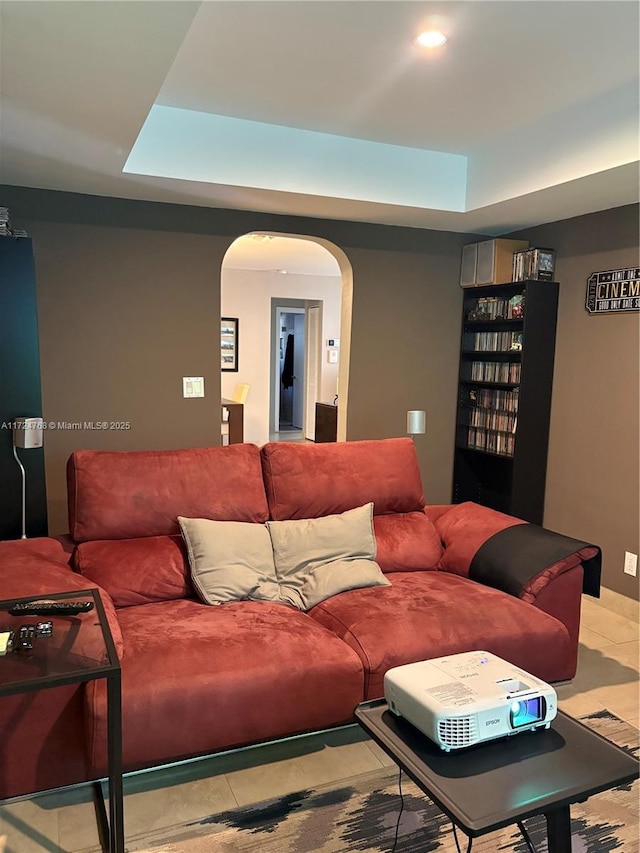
[{"x": 198, "y": 678}]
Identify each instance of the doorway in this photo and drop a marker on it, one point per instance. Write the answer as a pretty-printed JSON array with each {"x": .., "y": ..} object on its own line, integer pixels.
[
  {"x": 291, "y": 367},
  {"x": 296, "y": 369},
  {"x": 258, "y": 269}
]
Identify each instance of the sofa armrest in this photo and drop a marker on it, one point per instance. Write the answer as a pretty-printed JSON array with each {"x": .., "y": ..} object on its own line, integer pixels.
[
  {"x": 434, "y": 511},
  {"x": 40, "y": 568},
  {"x": 510, "y": 554},
  {"x": 44, "y": 546}
]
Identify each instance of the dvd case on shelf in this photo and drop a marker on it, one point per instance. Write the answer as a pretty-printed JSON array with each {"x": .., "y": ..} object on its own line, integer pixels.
[{"x": 534, "y": 264}]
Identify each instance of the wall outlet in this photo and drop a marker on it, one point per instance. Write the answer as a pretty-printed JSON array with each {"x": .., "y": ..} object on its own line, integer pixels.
[{"x": 630, "y": 563}]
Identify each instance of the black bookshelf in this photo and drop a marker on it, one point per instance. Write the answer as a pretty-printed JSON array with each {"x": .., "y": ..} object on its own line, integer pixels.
[{"x": 504, "y": 396}]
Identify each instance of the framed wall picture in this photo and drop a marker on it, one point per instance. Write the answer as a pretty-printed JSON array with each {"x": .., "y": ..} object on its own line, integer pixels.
[{"x": 229, "y": 344}]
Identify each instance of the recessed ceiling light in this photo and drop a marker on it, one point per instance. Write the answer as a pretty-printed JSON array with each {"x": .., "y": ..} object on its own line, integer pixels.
[{"x": 431, "y": 38}]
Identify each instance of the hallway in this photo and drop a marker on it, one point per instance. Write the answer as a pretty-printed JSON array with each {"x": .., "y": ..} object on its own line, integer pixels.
[{"x": 296, "y": 435}]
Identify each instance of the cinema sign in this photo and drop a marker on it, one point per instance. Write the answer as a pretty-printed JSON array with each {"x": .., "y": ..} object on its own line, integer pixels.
[{"x": 613, "y": 290}]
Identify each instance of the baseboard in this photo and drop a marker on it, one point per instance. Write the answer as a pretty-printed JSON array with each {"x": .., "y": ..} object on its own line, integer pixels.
[{"x": 620, "y": 604}]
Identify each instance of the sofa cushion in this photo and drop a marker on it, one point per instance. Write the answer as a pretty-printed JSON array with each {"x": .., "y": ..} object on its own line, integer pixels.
[
  {"x": 230, "y": 560},
  {"x": 137, "y": 571},
  {"x": 319, "y": 557},
  {"x": 424, "y": 615},
  {"x": 464, "y": 528},
  {"x": 128, "y": 494},
  {"x": 407, "y": 541},
  {"x": 196, "y": 679},
  {"x": 308, "y": 481}
]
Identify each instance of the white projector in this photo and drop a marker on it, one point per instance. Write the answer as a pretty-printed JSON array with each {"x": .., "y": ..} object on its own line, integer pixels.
[{"x": 464, "y": 699}]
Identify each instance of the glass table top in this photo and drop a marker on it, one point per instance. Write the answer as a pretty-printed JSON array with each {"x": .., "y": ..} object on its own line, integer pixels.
[{"x": 78, "y": 648}]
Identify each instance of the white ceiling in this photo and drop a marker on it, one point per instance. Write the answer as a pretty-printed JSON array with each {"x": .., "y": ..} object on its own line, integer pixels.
[
  {"x": 533, "y": 106},
  {"x": 283, "y": 255},
  {"x": 350, "y": 68}
]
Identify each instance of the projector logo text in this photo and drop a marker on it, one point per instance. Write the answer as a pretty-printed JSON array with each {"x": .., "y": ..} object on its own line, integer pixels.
[{"x": 492, "y": 722}]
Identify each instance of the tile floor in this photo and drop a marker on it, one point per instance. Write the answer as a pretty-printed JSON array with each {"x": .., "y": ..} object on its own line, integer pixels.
[
  {"x": 294, "y": 435},
  {"x": 64, "y": 822}
]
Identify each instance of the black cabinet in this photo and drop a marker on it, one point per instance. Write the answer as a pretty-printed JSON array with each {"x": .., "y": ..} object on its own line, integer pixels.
[
  {"x": 19, "y": 390},
  {"x": 504, "y": 396}
]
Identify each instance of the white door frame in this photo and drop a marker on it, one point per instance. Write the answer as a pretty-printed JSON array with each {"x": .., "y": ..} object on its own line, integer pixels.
[
  {"x": 313, "y": 366},
  {"x": 279, "y": 305}
]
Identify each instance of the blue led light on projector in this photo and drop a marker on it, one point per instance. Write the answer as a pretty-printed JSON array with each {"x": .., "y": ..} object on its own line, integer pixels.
[{"x": 525, "y": 712}]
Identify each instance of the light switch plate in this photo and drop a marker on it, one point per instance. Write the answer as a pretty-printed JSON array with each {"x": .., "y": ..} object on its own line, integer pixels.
[
  {"x": 193, "y": 386},
  {"x": 332, "y": 356}
]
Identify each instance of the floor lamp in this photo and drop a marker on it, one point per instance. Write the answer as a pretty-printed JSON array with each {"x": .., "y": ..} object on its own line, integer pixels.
[{"x": 27, "y": 434}]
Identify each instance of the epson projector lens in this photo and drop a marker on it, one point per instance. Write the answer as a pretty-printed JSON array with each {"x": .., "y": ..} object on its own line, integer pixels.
[{"x": 525, "y": 712}]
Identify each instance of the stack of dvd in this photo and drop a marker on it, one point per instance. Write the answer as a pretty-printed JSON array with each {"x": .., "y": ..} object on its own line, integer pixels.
[
  {"x": 5, "y": 227},
  {"x": 534, "y": 264}
]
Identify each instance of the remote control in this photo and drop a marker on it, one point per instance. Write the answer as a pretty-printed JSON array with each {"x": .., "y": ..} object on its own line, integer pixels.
[
  {"x": 26, "y": 637},
  {"x": 47, "y": 607}
]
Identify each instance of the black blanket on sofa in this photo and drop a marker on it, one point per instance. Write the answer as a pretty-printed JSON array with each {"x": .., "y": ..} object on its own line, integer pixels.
[{"x": 510, "y": 558}]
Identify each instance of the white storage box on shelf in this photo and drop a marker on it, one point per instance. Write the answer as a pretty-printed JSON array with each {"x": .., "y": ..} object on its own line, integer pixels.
[{"x": 489, "y": 262}]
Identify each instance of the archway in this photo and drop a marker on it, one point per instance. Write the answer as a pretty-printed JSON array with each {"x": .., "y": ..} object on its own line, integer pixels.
[{"x": 263, "y": 271}]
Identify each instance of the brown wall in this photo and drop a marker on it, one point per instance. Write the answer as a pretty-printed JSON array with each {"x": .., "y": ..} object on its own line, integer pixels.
[
  {"x": 128, "y": 301},
  {"x": 128, "y": 296},
  {"x": 593, "y": 485},
  {"x": 405, "y": 351},
  {"x": 123, "y": 315}
]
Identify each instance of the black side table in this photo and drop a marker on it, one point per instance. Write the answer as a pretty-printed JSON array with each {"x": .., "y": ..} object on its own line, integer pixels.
[
  {"x": 80, "y": 649},
  {"x": 500, "y": 782}
]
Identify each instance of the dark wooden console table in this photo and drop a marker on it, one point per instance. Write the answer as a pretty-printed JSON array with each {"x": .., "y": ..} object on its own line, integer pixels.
[
  {"x": 326, "y": 422},
  {"x": 236, "y": 420}
]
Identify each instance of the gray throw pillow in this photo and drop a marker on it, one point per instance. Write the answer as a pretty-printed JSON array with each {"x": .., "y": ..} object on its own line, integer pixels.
[
  {"x": 316, "y": 558},
  {"x": 230, "y": 560}
]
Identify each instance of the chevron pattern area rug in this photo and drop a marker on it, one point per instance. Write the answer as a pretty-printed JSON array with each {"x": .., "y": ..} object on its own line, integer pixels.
[{"x": 360, "y": 816}]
